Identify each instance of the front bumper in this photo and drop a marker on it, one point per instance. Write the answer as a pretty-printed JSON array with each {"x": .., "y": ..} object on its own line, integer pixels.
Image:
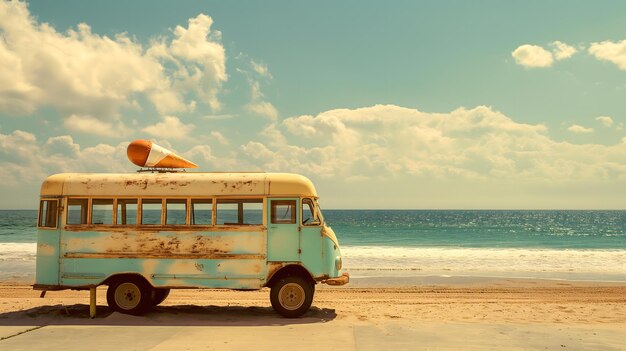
[{"x": 343, "y": 280}]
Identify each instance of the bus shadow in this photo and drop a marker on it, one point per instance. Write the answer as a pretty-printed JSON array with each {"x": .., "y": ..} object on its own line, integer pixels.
[{"x": 180, "y": 315}]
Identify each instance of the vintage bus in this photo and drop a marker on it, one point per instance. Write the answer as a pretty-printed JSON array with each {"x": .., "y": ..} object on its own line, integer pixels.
[{"x": 143, "y": 234}]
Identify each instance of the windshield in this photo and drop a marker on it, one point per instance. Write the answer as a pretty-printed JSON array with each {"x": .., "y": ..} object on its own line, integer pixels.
[
  {"x": 310, "y": 213},
  {"x": 318, "y": 211}
]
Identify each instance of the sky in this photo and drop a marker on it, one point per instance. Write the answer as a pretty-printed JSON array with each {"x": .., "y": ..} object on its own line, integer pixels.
[{"x": 390, "y": 105}]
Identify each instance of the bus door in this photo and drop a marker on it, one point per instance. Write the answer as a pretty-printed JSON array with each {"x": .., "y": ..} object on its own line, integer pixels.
[
  {"x": 48, "y": 234},
  {"x": 311, "y": 238},
  {"x": 283, "y": 237}
]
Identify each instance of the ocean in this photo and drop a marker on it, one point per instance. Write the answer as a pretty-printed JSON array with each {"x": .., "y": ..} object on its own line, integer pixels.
[{"x": 396, "y": 244}]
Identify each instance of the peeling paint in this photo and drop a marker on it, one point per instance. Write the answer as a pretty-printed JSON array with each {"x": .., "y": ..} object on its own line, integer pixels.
[
  {"x": 149, "y": 266},
  {"x": 181, "y": 267},
  {"x": 272, "y": 268},
  {"x": 177, "y": 184},
  {"x": 45, "y": 249},
  {"x": 164, "y": 244},
  {"x": 178, "y": 256},
  {"x": 240, "y": 267}
]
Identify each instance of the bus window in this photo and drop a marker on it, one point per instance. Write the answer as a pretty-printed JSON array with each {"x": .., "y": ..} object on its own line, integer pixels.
[
  {"x": 240, "y": 212},
  {"x": 77, "y": 211},
  {"x": 284, "y": 211},
  {"x": 48, "y": 213},
  {"x": 151, "y": 211},
  {"x": 126, "y": 211},
  {"x": 201, "y": 211},
  {"x": 175, "y": 211},
  {"x": 253, "y": 212},
  {"x": 102, "y": 211},
  {"x": 309, "y": 215}
]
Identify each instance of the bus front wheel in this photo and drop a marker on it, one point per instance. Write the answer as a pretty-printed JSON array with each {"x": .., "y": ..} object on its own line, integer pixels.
[
  {"x": 130, "y": 295},
  {"x": 292, "y": 296}
]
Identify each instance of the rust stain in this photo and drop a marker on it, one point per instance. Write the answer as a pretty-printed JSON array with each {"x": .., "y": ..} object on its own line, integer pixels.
[
  {"x": 108, "y": 228},
  {"x": 153, "y": 244},
  {"x": 256, "y": 268},
  {"x": 272, "y": 268},
  {"x": 172, "y": 184},
  {"x": 151, "y": 255},
  {"x": 141, "y": 183}
]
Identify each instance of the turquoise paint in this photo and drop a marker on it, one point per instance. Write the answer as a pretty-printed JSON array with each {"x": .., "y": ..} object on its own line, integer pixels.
[
  {"x": 312, "y": 253},
  {"x": 163, "y": 272},
  {"x": 283, "y": 240},
  {"x": 331, "y": 252},
  {"x": 93, "y": 241},
  {"x": 281, "y": 243},
  {"x": 47, "y": 266}
]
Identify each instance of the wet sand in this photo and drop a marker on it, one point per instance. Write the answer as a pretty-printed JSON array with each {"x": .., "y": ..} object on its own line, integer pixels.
[{"x": 494, "y": 314}]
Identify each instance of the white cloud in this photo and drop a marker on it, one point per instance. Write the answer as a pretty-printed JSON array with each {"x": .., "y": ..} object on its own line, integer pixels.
[
  {"x": 614, "y": 52},
  {"x": 218, "y": 117},
  {"x": 378, "y": 156},
  {"x": 605, "y": 120},
  {"x": 389, "y": 142},
  {"x": 24, "y": 160},
  {"x": 562, "y": 51},
  {"x": 89, "y": 125},
  {"x": 62, "y": 145},
  {"x": 532, "y": 56},
  {"x": 191, "y": 42},
  {"x": 261, "y": 69},
  {"x": 199, "y": 46},
  {"x": 170, "y": 128},
  {"x": 219, "y": 137},
  {"x": 198, "y": 152},
  {"x": 258, "y": 105},
  {"x": 82, "y": 73},
  {"x": 263, "y": 108},
  {"x": 575, "y": 128}
]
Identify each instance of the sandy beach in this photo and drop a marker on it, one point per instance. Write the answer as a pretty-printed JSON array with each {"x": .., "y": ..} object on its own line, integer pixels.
[{"x": 495, "y": 314}]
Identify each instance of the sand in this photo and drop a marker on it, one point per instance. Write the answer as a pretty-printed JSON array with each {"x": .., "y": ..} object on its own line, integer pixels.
[{"x": 506, "y": 314}]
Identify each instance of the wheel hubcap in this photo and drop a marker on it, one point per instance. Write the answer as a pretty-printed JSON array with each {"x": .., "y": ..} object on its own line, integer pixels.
[
  {"x": 127, "y": 296},
  {"x": 291, "y": 296}
]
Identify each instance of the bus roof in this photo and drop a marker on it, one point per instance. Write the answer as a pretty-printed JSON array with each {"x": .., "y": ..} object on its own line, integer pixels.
[{"x": 177, "y": 184}]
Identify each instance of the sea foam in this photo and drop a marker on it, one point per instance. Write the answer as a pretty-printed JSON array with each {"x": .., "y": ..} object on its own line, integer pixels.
[
  {"x": 577, "y": 264},
  {"x": 18, "y": 251}
]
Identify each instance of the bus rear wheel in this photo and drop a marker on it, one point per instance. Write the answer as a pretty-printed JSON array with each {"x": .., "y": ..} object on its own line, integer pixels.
[
  {"x": 292, "y": 296},
  {"x": 159, "y": 295},
  {"x": 130, "y": 295}
]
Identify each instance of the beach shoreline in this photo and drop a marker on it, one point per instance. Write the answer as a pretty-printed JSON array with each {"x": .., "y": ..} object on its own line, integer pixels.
[
  {"x": 417, "y": 302},
  {"x": 504, "y": 314}
]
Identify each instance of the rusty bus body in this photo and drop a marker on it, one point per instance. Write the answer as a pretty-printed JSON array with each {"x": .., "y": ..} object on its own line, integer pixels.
[{"x": 145, "y": 233}]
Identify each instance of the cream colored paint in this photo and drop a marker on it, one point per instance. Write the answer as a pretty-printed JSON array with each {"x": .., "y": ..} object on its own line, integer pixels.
[
  {"x": 239, "y": 267},
  {"x": 330, "y": 233},
  {"x": 177, "y": 184},
  {"x": 45, "y": 250},
  {"x": 149, "y": 267},
  {"x": 182, "y": 267},
  {"x": 179, "y": 243},
  {"x": 157, "y": 153}
]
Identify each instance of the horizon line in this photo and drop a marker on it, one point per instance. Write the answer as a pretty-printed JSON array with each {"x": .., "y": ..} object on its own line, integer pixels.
[{"x": 423, "y": 209}]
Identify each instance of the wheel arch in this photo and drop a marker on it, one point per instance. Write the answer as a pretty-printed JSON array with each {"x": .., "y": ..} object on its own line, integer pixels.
[
  {"x": 290, "y": 270},
  {"x": 117, "y": 276}
]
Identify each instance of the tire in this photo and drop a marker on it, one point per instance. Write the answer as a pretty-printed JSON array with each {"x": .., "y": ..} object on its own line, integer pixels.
[
  {"x": 130, "y": 295},
  {"x": 292, "y": 296},
  {"x": 159, "y": 295}
]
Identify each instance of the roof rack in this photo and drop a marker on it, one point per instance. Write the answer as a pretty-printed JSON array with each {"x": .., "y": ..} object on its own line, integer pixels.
[{"x": 161, "y": 170}]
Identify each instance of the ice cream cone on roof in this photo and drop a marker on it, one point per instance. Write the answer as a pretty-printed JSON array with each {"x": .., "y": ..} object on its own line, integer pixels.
[{"x": 145, "y": 153}]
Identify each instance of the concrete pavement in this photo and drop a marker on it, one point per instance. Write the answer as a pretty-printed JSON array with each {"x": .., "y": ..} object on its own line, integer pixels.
[{"x": 189, "y": 327}]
